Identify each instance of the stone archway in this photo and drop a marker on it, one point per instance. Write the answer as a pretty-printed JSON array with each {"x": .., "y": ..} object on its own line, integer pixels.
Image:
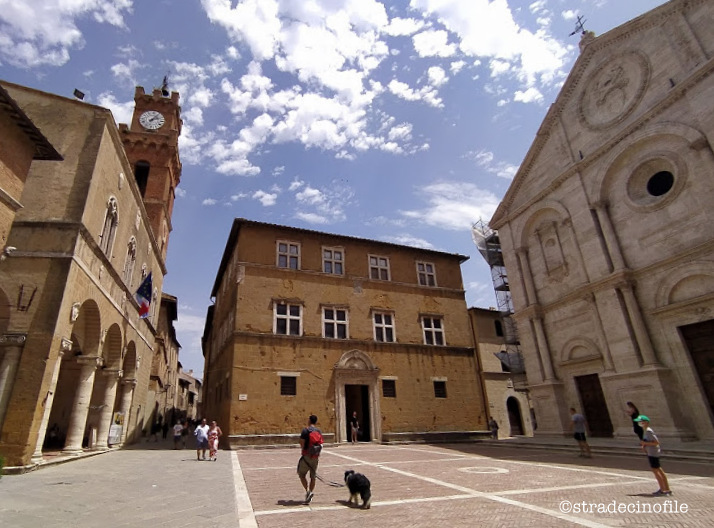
[{"x": 356, "y": 368}]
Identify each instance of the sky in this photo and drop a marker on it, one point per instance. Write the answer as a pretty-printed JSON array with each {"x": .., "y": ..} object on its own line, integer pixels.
[{"x": 396, "y": 120}]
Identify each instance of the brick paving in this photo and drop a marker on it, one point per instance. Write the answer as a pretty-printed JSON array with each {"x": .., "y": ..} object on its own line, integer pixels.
[{"x": 413, "y": 486}]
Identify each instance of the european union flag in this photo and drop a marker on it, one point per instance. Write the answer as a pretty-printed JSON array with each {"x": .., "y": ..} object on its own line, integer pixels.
[{"x": 143, "y": 297}]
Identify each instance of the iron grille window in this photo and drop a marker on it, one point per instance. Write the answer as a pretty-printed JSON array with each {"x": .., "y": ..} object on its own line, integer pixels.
[
  {"x": 440, "y": 389},
  {"x": 288, "y": 385},
  {"x": 389, "y": 388}
]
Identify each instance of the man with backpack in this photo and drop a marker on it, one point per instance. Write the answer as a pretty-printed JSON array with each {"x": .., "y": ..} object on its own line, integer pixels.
[{"x": 311, "y": 445}]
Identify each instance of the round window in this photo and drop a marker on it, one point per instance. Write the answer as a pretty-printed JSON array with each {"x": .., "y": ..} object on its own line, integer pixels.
[{"x": 660, "y": 183}]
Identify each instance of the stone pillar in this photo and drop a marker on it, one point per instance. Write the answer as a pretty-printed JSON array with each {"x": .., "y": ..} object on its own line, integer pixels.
[
  {"x": 532, "y": 298},
  {"x": 606, "y": 353},
  {"x": 65, "y": 347},
  {"x": 638, "y": 324},
  {"x": 543, "y": 349},
  {"x": 126, "y": 398},
  {"x": 608, "y": 232},
  {"x": 11, "y": 347},
  {"x": 80, "y": 407},
  {"x": 105, "y": 415}
]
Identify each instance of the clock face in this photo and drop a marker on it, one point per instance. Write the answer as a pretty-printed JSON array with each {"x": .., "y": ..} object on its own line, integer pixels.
[{"x": 151, "y": 120}]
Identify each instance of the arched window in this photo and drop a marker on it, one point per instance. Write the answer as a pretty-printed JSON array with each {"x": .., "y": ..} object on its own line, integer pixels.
[
  {"x": 109, "y": 231},
  {"x": 141, "y": 173},
  {"x": 130, "y": 261}
]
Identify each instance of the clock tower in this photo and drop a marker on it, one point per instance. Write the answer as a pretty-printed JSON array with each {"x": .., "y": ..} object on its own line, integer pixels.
[{"x": 151, "y": 144}]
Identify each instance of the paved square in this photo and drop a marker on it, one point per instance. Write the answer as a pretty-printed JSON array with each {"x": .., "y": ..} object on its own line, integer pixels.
[{"x": 459, "y": 485}]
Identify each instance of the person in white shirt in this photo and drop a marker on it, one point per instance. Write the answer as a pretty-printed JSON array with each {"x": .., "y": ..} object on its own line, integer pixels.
[
  {"x": 178, "y": 428},
  {"x": 201, "y": 434}
]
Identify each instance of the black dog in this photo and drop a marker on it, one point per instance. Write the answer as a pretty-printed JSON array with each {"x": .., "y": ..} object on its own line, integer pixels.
[{"x": 358, "y": 484}]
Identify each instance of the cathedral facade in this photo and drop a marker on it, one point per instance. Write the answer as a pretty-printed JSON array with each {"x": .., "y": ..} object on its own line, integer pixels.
[{"x": 606, "y": 232}]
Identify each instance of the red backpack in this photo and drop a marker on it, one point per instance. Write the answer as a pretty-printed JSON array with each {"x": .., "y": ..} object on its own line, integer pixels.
[{"x": 314, "y": 442}]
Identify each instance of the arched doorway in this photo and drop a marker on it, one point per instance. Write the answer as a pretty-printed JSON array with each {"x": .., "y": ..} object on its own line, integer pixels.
[
  {"x": 357, "y": 390},
  {"x": 514, "y": 416}
]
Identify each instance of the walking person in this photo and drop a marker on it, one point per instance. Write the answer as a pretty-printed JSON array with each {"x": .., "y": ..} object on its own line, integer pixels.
[
  {"x": 355, "y": 427},
  {"x": 493, "y": 425},
  {"x": 201, "y": 434},
  {"x": 577, "y": 424},
  {"x": 633, "y": 412},
  {"x": 650, "y": 445},
  {"x": 311, "y": 446},
  {"x": 214, "y": 433},
  {"x": 178, "y": 429}
]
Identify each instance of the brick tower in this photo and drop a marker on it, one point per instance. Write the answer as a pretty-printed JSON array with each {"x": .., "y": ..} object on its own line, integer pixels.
[{"x": 151, "y": 144}]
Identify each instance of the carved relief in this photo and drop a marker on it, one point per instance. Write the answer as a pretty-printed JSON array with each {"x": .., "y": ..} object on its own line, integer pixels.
[
  {"x": 74, "y": 314},
  {"x": 613, "y": 90},
  {"x": 552, "y": 251}
]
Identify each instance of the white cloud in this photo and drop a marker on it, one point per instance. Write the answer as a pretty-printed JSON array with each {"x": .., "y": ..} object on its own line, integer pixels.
[
  {"x": 267, "y": 199},
  {"x": 43, "y": 32},
  {"x": 531, "y": 95},
  {"x": 433, "y": 43},
  {"x": 409, "y": 240},
  {"x": 457, "y": 66},
  {"x": 437, "y": 76},
  {"x": 181, "y": 193},
  {"x": 486, "y": 160},
  {"x": 403, "y": 26},
  {"x": 122, "y": 112},
  {"x": 321, "y": 206},
  {"x": 209, "y": 201},
  {"x": 454, "y": 205}
]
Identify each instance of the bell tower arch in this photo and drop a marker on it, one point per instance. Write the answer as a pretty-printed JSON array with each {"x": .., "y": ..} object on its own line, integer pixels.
[{"x": 151, "y": 145}]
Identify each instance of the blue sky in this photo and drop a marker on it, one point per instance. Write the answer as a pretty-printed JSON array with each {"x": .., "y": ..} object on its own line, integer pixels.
[{"x": 400, "y": 120}]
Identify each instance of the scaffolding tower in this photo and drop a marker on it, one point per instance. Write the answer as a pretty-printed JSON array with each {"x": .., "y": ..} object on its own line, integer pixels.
[{"x": 489, "y": 245}]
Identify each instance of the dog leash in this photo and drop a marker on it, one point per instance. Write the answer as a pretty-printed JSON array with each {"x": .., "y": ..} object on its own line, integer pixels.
[{"x": 329, "y": 482}]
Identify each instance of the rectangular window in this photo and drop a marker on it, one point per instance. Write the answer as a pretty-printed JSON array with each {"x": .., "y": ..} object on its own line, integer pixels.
[
  {"x": 332, "y": 261},
  {"x": 426, "y": 274},
  {"x": 289, "y": 255},
  {"x": 288, "y": 319},
  {"x": 433, "y": 330},
  {"x": 378, "y": 267},
  {"x": 389, "y": 388},
  {"x": 439, "y": 389},
  {"x": 288, "y": 385},
  {"x": 383, "y": 327},
  {"x": 335, "y": 323}
]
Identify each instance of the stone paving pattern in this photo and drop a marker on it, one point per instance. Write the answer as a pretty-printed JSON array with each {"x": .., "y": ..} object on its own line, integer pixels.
[{"x": 413, "y": 486}]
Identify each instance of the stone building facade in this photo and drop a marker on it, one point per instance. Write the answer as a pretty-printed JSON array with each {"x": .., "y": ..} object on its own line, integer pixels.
[
  {"x": 85, "y": 242},
  {"x": 508, "y": 401},
  {"x": 606, "y": 232},
  {"x": 307, "y": 322}
]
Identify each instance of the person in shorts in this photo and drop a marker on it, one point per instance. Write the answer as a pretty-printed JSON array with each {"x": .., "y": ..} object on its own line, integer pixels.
[
  {"x": 650, "y": 445},
  {"x": 201, "y": 434},
  {"x": 578, "y": 426},
  {"x": 308, "y": 463}
]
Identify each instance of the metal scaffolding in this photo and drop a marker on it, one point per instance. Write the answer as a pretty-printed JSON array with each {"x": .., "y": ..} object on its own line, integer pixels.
[{"x": 489, "y": 245}]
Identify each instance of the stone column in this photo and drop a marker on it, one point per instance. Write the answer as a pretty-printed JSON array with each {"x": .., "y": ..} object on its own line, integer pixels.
[
  {"x": 638, "y": 324},
  {"x": 105, "y": 415},
  {"x": 80, "y": 407},
  {"x": 126, "y": 398},
  {"x": 532, "y": 298},
  {"x": 543, "y": 349},
  {"x": 608, "y": 232},
  {"x": 11, "y": 346},
  {"x": 65, "y": 347}
]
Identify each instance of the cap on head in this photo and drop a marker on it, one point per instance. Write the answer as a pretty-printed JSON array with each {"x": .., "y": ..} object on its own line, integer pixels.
[{"x": 642, "y": 418}]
